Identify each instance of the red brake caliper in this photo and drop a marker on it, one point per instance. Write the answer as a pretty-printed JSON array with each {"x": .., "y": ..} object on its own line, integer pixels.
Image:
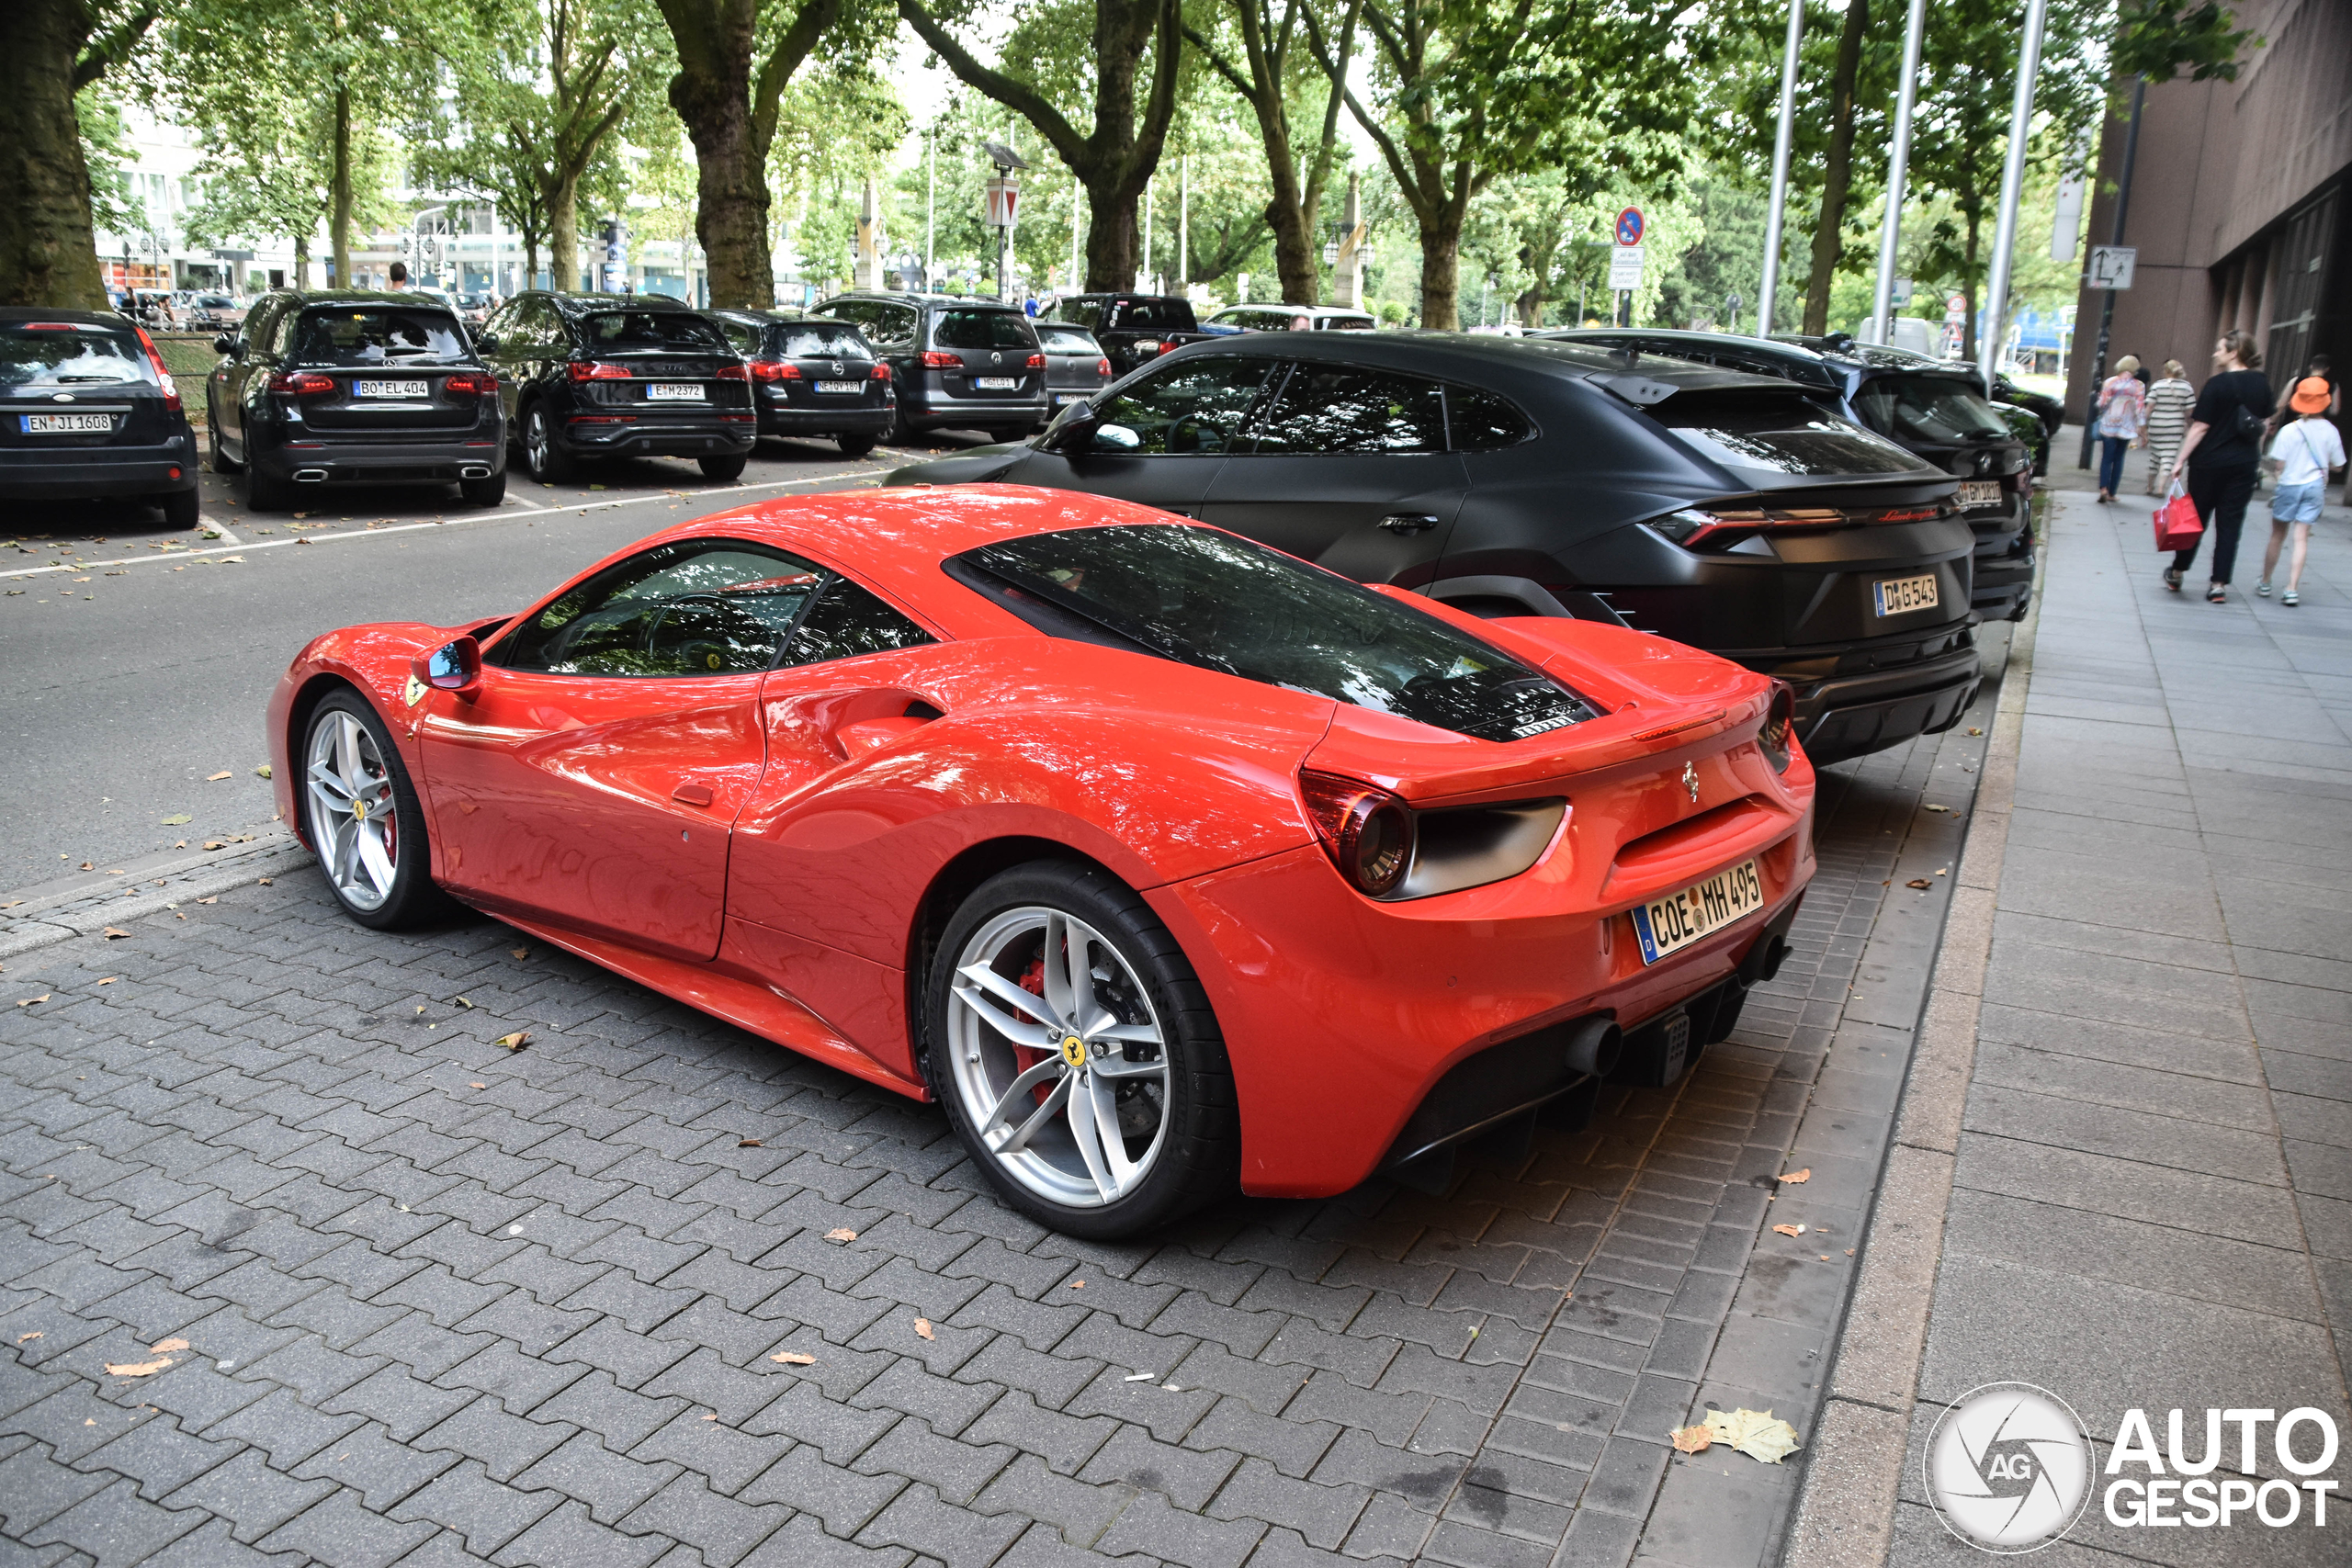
[{"x": 1033, "y": 980}]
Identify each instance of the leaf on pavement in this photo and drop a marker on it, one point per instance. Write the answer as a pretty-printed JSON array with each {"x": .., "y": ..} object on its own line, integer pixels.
[
  {"x": 520, "y": 952},
  {"x": 216, "y": 778},
  {"x": 137, "y": 1368},
  {"x": 923, "y": 1326},
  {"x": 214, "y": 899},
  {"x": 34, "y": 1334},
  {"x": 89, "y": 866},
  {"x": 1919, "y": 882},
  {"x": 1790, "y": 1230},
  {"x": 516, "y": 1040},
  {"x": 1754, "y": 1433},
  {"x": 181, "y": 845},
  {"x": 1939, "y": 809},
  {"x": 162, "y": 1346},
  {"x": 31, "y": 1001},
  {"x": 793, "y": 1359},
  {"x": 1692, "y": 1439},
  {"x": 477, "y": 1086},
  {"x": 1974, "y": 731},
  {"x": 212, "y": 843},
  {"x": 710, "y": 1414},
  {"x": 464, "y": 1003},
  {"x": 263, "y": 771},
  {"x": 116, "y": 933},
  {"x": 232, "y": 561},
  {"x": 180, "y": 820},
  {"x": 110, "y": 979},
  {"x": 840, "y": 1233},
  {"x": 1796, "y": 1176}
]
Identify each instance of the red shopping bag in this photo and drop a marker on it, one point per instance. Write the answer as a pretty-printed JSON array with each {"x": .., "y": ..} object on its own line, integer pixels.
[{"x": 2178, "y": 524}]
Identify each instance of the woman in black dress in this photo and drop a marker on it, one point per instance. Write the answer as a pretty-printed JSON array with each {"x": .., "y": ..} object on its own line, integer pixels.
[{"x": 2223, "y": 453}]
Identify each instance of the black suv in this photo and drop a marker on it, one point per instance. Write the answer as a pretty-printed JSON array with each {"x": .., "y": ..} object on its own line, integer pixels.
[
  {"x": 87, "y": 409},
  {"x": 351, "y": 387},
  {"x": 1933, "y": 407},
  {"x": 1513, "y": 476},
  {"x": 956, "y": 363},
  {"x": 812, "y": 376},
  {"x": 618, "y": 376}
]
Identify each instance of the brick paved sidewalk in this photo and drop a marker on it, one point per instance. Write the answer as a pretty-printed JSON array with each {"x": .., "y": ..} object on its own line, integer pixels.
[{"x": 444, "y": 1303}]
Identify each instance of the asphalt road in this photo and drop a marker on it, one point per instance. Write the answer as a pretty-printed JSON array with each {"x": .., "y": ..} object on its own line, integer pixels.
[{"x": 135, "y": 660}]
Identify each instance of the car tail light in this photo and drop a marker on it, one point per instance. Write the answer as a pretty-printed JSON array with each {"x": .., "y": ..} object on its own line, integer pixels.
[
  {"x": 739, "y": 371},
  {"x": 1367, "y": 831},
  {"x": 939, "y": 359},
  {"x": 478, "y": 383},
  {"x": 162, "y": 376},
  {"x": 57, "y": 327},
  {"x": 300, "y": 383},
  {"x": 1036, "y": 362},
  {"x": 881, "y": 371},
  {"x": 1695, "y": 528},
  {"x": 1103, "y": 369},
  {"x": 1779, "y": 733},
  {"x": 773, "y": 370},
  {"x": 597, "y": 370}
]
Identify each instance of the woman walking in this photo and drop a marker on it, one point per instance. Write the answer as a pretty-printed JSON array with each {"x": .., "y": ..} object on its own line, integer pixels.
[
  {"x": 2122, "y": 414},
  {"x": 2222, "y": 457},
  {"x": 2168, "y": 403},
  {"x": 2302, "y": 455}
]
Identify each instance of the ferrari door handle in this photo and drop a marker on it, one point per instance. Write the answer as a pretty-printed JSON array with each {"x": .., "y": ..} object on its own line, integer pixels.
[
  {"x": 692, "y": 793},
  {"x": 1409, "y": 522}
]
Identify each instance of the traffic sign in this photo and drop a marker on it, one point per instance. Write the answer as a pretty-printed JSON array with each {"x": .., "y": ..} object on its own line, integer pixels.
[
  {"x": 1625, "y": 265},
  {"x": 1002, "y": 199},
  {"x": 2112, "y": 265},
  {"x": 1629, "y": 227}
]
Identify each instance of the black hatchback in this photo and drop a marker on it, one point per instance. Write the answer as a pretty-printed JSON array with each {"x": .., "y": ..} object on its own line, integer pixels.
[
  {"x": 86, "y": 409},
  {"x": 586, "y": 376},
  {"x": 1513, "y": 476},
  {"x": 353, "y": 387},
  {"x": 1932, "y": 407},
  {"x": 813, "y": 375},
  {"x": 955, "y": 364}
]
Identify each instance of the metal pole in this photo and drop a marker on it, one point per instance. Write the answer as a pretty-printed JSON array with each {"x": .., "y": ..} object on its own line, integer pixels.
[
  {"x": 1076, "y": 200},
  {"x": 1146, "y": 233},
  {"x": 1780, "y": 169},
  {"x": 930, "y": 206},
  {"x": 1183, "y": 221},
  {"x": 2005, "y": 232},
  {"x": 1898, "y": 170},
  {"x": 2107, "y": 307}
]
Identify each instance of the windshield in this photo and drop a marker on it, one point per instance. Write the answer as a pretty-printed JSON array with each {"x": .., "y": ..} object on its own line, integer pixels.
[
  {"x": 1780, "y": 435},
  {"x": 69, "y": 353},
  {"x": 826, "y": 341},
  {"x": 1928, "y": 407},
  {"x": 376, "y": 334},
  {"x": 1216, "y": 601},
  {"x": 215, "y": 302},
  {"x": 620, "y": 331}
]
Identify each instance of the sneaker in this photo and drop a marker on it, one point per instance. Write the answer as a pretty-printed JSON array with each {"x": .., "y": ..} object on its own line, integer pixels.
[
  {"x": 2263, "y": 588},
  {"x": 2217, "y": 593},
  {"x": 2172, "y": 579},
  {"x": 2290, "y": 598}
]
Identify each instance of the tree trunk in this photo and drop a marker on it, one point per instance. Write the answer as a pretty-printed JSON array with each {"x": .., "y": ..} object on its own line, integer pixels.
[
  {"x": 1114, "y": 240},
  {"x": 730, "y": 184},
  {"x": 339, "y": 188},
  {"x": 1296, "y": 261},
  {"x": 563, "y": 227},
  {"x": 302, "y": 261},
  {"x": 1441, "y": 268},
  {"x": 1837, "y": 169},
  {"x": 49, "y": 255},
  {"x": 1968, "y": 284},
  {"x": 531, "y": 262}
]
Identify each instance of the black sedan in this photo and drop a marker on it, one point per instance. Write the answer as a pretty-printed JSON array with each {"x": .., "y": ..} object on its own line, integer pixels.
[
  {"x": 353, "y": 387},
  {"x": 589, "y": 376},
  {"x": 87, "y": 409},
  {"x": 813, "y": 375},
  {"x": 1514, "y": 477}
]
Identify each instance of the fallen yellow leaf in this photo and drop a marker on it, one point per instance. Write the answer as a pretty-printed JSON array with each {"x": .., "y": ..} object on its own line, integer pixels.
[
  {"x": 136, "y": 1369},
  {"x": 750, "y": 1143},
  {"x": 1796, "y": 1176},
  {"x": 1754, "y": 1433},
  {"x": 516, "y": 1040},
  {"x": 116, "y": 933},
  {"x": 1919, "y": 882},
  {"x": 1790, "y": 1230},
  {"x": 177, "y": 821},
  {"x": 793, "y": 1359},
  {"x": 1692, "y": 1439},
  {"x": 477, "y": 1086},
  {"x": 34, "y": 1335},
  {"x": 520, "y": 952},
  {"x": 711, "y": 1416},
  {"x": 110, "y": 979},
  {"x": 923, "y": 1326},
  {"x": 31, "y": 1001},
  {"x": 263, "y": 770},
  {"x": 216, "y": 778},
  {"x": 161, "y": 1346},
  {"x": 840, "y": 1233}
]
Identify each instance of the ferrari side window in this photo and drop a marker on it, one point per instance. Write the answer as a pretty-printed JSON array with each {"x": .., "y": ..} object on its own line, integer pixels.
[
  {"x": 847, "y": 621},
  {"x": 695, "y": 607}
]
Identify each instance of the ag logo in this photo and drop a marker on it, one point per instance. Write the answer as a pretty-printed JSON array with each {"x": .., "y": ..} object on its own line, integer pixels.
[{"x": 2008, "y": 1467}]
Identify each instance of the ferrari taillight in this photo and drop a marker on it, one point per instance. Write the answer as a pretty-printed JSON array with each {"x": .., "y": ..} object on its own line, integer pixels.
[
  {"x": 1780, "y": 726},
  {"x": 1367, "y": 831}
]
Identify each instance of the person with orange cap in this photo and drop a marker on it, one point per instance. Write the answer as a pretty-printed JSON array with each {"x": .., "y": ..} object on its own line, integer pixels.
[{"x": 2301, "y": 456}]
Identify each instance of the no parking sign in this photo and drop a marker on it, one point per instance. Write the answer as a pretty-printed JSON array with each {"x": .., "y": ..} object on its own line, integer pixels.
[{"x": 1630, "y": 226}]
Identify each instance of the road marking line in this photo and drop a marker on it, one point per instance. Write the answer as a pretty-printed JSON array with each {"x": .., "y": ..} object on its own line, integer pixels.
[
  {"x": 227, "y": 537},
  {"x": 498, "y": 517}
]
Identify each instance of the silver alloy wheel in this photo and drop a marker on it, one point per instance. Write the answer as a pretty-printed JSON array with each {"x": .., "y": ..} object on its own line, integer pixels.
[
  {"x": 1067, "y": 1083},
  {"x": 354, "y": 824},
  {"x": 534, "y": 441}
]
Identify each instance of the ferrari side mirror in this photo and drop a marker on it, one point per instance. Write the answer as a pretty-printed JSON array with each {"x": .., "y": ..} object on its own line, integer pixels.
[{"x": 452, "y": 667}]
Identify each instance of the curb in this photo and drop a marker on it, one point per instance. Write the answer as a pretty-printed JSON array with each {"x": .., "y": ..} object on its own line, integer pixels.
[
  {"x": 55, "y": 914},
  {"x": 1844, "y": 1512}
]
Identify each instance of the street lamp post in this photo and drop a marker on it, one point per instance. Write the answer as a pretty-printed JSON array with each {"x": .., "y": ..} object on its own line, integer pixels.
[
  {"x": 2005, "y": 231},
  {"x": 1898, "y": 167},
  {"x": 1781, "y": 169}
]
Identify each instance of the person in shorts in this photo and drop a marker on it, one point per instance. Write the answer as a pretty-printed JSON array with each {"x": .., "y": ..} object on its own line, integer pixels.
[{"x": 2302, "y": 454}]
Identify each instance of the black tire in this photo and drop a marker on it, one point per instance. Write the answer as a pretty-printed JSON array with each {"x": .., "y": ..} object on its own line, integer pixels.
[
  {"x": 413, "y": 899},
  {"x": 182, "y": 508},
  {"x": 265, "y": 491},
  {"x": 484, "y": 492},
  {"x": 854, "y": 445},
  {"x": 1196, "y": 1157},
  {"x": 543, "y": 455},
  {"x": 902, "y": 434},
  {"x": 221, "y": 463},
  {"x": 724, "y": 469}
]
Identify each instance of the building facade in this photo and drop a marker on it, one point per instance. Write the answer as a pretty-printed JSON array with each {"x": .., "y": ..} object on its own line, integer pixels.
[{"x": 2238, "y": 207}]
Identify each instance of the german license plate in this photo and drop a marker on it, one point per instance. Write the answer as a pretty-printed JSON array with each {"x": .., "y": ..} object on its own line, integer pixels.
[
  {"x": 1665, "y": 925},
  {"x": 68, "y": 424},
  {"x": 840, "y": 386},
  {"x": 996, "y": 383},
  {"x": 1974, "y": 493},
  {"x": 391, "y": 388},
  {"x": 1901, "y": 595},
  {"x": 673, "y": 392},
  {"x": 1063, "y": 400}
]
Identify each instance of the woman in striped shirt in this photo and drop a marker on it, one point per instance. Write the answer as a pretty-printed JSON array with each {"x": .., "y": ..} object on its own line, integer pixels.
[{"x": 2168, "y": 404}]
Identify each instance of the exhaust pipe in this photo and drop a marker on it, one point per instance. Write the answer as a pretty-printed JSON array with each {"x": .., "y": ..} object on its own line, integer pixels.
[
  {"x": 474, "y": 471},
  {"x": 1596, "y": 1047},
  {"x": 310, "y": 476}
]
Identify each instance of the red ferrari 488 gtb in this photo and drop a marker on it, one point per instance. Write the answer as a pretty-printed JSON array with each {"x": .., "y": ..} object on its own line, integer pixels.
[{"x": 1168, "y": 862}]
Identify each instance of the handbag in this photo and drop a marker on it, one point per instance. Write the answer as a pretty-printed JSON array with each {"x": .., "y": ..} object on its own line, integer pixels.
[{"x": 2177, "y": 526}]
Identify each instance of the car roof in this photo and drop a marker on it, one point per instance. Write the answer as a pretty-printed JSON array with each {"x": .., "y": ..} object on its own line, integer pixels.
[
  {"x": 1465, "y": 357},
  {"x": 745, "y": 313},
  {"x": 13, "y": 313},
  {"x": 308, "y": 298},
  {"x": 1875, "y": 356},
  {"x": 575, "y": 304},
  {"x": 961, "y": 301}
]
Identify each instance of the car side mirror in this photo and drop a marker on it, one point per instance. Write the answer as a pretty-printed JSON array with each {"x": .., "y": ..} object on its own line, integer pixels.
[
  {"x": 486, "y": 342},
  {"x": 452, "y": 667},
  {"x": 224, "y": 344},
  {"x": 1073, "y": 429},
  {"x": 1116, "y": 438}
]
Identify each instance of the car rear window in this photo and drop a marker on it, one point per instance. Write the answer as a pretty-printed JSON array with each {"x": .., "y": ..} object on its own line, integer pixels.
[
  {"x": 1928, "y": 407},
  {"x": 1086, "y": 313},
  {"x": 621, "y": 331},
  {"x": 1063, "y": 339},
  {"x": 824, "y": 342},
  {"x": 1211, "y": 600},
  {"x": 1780, "y": 435},
  {"x": 983, "y": 329},
  {"x": 375, "y": 335},
  {"x": 69, "y": 353}
]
